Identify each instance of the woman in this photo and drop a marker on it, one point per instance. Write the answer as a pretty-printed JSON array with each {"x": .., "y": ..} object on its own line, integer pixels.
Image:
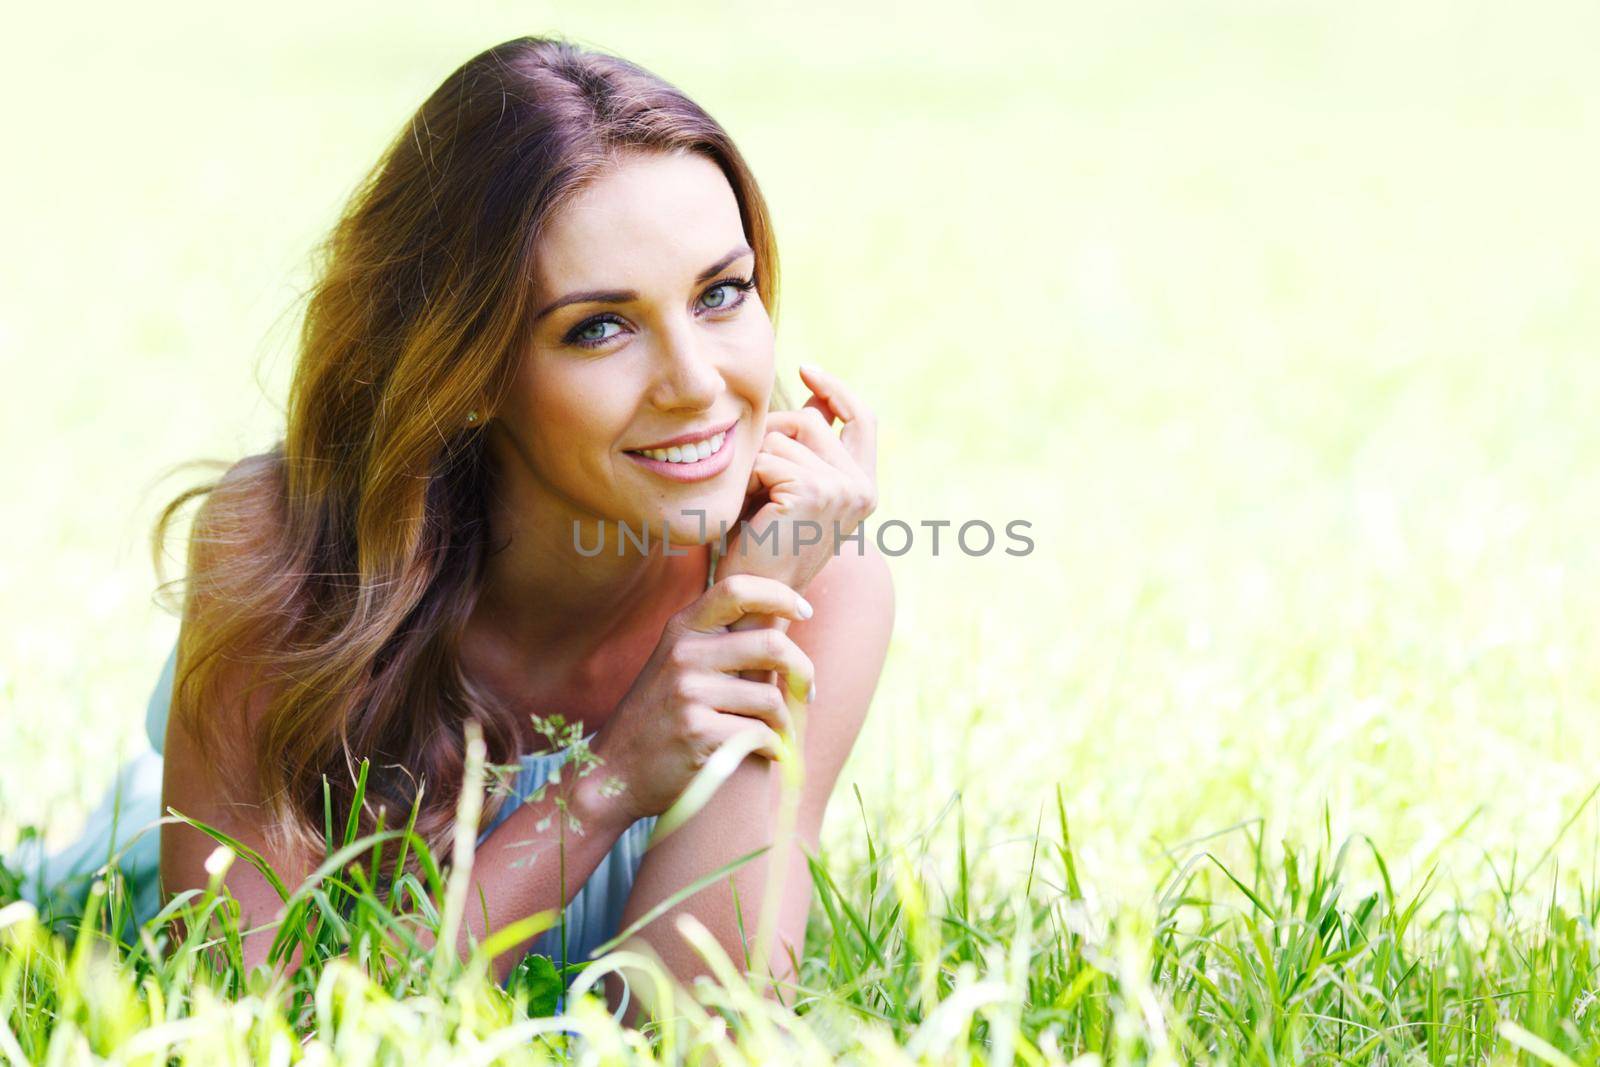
[{"x": 542, "y": 324}]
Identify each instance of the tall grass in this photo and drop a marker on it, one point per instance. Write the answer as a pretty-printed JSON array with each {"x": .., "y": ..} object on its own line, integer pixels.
[{"x": 1278, "y": 957}]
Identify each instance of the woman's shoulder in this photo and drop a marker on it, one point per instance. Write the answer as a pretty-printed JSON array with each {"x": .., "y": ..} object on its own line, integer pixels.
[
  {"x": 856, "y": 580},
  {"x": 847, "y": 641},
  {"x": 847, "y": 637},
  {"x": 253, "y": 485},
  {"x": 232, "y": 553},
  {"x": 236, "y": 529}
]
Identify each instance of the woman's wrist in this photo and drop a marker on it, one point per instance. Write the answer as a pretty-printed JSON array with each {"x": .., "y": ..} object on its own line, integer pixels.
[
  {"x": 596, "y": 801},
  {"x": 792, "y": 569}
]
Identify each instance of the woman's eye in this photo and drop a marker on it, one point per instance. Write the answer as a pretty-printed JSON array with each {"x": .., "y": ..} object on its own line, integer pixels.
[
  {"x": 727, "y": 294},
  {"x": 593, "y": 332},
  {"x": 723, "y": 294}
]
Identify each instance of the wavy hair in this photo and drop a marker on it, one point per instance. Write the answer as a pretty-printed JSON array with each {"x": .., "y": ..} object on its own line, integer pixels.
[{"x": 338, "y": 569}]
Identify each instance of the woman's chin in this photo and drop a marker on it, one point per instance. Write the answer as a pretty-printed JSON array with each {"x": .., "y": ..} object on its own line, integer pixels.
[{"x": 700, "y": 523}]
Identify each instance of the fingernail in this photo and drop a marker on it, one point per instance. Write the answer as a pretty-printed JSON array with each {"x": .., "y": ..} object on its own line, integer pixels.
[
  {"x": 810, "y": 368},
  {"x": 805, "y": 608},
  {"x": 811, "y": 691}
]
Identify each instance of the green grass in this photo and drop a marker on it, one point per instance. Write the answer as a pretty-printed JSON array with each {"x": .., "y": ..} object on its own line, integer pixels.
[
  {"x": 1276, "y": 320},
  {"x": 1277, "y": 959}
]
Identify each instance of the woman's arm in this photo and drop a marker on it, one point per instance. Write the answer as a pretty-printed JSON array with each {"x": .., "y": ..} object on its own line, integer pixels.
[
  {"x": 847, "y": 640},
  {"x": 223, "y": 794},
  {"x": 516, "y": 870},
  {"x": 223, "y": 790}
]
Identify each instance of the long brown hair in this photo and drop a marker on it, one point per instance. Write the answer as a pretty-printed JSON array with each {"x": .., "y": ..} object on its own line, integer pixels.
[{"x": 339, "y": 568}]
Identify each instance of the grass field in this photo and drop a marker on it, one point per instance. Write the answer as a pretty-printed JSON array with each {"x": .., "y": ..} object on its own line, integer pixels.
[{"x": 1278, "y": 323}]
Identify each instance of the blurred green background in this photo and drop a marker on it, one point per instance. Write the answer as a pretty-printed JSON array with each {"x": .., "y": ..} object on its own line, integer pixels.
[{"x": 1277, "y": 321}]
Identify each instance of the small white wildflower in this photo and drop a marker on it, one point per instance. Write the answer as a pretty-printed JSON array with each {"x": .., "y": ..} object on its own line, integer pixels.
[
  {"x": 219, "y": 861},
  {"x": 18, "y": 911}
]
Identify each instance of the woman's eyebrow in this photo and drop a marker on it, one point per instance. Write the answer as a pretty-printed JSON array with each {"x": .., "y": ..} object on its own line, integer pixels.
[{"x": 622, "y": 296}]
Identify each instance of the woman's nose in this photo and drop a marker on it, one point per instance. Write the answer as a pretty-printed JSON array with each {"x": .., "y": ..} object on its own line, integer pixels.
[{"x": 688, "y": 375}]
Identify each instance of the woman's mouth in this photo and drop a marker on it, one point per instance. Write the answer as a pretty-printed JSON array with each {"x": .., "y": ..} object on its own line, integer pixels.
[{"x": 692, "y": 461}]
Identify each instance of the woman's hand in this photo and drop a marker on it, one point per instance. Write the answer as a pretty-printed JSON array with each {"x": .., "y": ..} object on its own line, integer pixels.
[
  {"x": 688, "y": 699},
  {"x": 808, "y": 481}
]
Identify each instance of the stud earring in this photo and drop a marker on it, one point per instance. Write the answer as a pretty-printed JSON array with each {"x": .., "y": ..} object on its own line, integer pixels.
[{"x": 472, "y": 417}]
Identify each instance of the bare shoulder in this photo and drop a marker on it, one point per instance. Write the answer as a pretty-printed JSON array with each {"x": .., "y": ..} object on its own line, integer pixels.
[
  {"x": 854, "y": 583},
  {"x": 228, "y": 555},
  {"x": 848, "y": 637},
  {"x": 240, "y": 512},
  {"x": 218, "y": 784}
]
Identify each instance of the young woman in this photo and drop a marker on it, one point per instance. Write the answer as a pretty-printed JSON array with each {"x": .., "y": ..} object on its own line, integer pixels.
[{"x": 546, "y": 316}]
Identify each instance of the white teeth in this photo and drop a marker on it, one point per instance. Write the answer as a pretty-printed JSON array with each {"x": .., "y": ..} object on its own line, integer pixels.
[{"x": 692, "y": 453}]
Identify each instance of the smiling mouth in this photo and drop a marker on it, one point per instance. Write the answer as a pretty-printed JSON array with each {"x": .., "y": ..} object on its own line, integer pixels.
[{"x": 687, "y": 454}]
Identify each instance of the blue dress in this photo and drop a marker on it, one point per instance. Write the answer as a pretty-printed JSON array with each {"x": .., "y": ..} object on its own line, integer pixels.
[{"x": 123, "y": 823}]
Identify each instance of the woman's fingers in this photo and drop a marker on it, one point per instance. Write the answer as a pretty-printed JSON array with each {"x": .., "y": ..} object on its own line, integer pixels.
[
  {"x": 860, "y": 433},
  {"x": 724, "y": 727},
  {"x": 807, "y": 428},
  {"x": 781, "y": 442},
  {"x": 763, "y": 649},
  {"x": 758, "y": 700},
  {"x": 821, "y": 406},
  {"x": 739, "y": 595},
  {"x": 840, "y": 481},
  {"x": 776, "y": 472}
]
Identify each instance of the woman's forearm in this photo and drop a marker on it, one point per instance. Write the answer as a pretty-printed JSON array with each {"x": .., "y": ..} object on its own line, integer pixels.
[
  {"x": 742, "y": 816},
  {"x": 518, "y": 869}
]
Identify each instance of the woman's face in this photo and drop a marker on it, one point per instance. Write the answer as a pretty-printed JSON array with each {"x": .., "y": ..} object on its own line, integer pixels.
[{"x": 648, "y": 330}]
